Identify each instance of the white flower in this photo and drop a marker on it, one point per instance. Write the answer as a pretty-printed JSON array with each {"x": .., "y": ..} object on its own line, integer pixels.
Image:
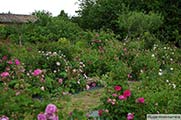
[
  {"x": 167, "y": 81},
  {"x": 154, "y": 48},
  {"x": 85, "y": 76},
  {"x": 174, "y": 86},
  {"x": 141, "y": 71},
  {"x": 28, "y": 74},
  {"x": 54, "y": 53},
  {"x": 54, "y": 71},
  {"x": 78, "y": 82},
  {"x": 171, "y": 68},
  {"x": 153, "y": 55},
  {"x": 39, "y": 51},
  {"x": 160, "y": 70},
  {"x": 160, "y": 73},
  {"x": 165, "y": 47},
  {"x": 74, "y": 70},
  {"x": 58, "y": 63},
  {"x": 171, "y": 59},
  {"x": 42, "y": 88},
  {"x": 172, "y": 53}
]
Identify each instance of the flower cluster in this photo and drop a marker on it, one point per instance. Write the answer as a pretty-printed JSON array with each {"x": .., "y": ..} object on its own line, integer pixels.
[
  {"x": 119, "y": 97},
  {"x": 50, "y": 113}
]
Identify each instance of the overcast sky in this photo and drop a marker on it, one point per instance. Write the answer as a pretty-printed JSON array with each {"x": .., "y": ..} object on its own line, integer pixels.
[{"x": 29, "y": 6}]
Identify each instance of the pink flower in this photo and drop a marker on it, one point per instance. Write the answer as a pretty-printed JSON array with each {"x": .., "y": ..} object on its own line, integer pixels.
[
  {"x": 125, "y": 49},
  {"x": 4, "y": 74},
  {"x": 113, "y": 103},
  {"x": 37, "y": 72},
  {"x": 17, "y": 62},
  {"x": 50, "y": 109},
  {"x": 70, "y": 113},
  {"x": 10, "y": 62},
  {"x": 129, "y": 76},
  {"x": 140, "y": 100},
  {"x": 100, "y": 112},
  {"x": 94, "y": 84},
  {"x": 60, "y": 81},
  {"x": 41, "y": 116},
  {"x": 127, "y": 93},
  {"x": 109, "y": 100},
  {"x": 117, "y": 88},
  {"x": 4, "y": 58},
  {"x": 122, "y": 97},
  {"x": 114, "y": 95},
  {"x": 4, "y": 117},
  {"x": 130, "y": 116}
]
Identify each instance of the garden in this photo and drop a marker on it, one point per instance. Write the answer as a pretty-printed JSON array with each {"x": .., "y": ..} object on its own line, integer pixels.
[{"x": 71, "y": 68}]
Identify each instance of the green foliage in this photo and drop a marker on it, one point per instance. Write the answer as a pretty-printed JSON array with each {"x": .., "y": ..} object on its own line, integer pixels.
[
  {"x": 26, "y": 107},
  {"x": 92, "y": 15},
  {"x": 46, "y": 28},
  {"x": 136, "y": 23}
]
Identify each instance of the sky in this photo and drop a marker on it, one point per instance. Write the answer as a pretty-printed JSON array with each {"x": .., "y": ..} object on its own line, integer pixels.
[{"x": 29, "y": 6}]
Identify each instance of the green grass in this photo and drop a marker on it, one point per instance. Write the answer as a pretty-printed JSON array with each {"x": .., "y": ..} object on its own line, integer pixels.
[{"x": 85, "y": 101}]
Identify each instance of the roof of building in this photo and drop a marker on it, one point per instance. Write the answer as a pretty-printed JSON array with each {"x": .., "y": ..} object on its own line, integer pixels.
[{"x": 17, "y": 18}]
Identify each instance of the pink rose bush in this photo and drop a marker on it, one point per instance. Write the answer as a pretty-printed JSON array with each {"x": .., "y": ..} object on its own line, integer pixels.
[
  {"x": 50, "y": 113},
  {"x": 123, "y": 99}
]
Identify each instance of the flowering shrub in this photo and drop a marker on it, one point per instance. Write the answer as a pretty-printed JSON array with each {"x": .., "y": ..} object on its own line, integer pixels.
[
  {"x": 50, "y": 113},
  {"x": 120, "y": 103}
]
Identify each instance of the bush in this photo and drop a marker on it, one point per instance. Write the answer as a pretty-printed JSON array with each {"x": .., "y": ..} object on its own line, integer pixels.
[
  {"x": 119, "y": 102},
  {"x": 136, "y": 23}
]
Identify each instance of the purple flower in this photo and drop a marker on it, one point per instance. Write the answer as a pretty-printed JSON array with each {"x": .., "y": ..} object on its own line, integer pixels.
[
  {"x": 130, "y": 116},
  {"x": 51, "y": 117},
  {"x": 50, "y": 109},
  {"x": 41, "y": 116},
  {"x": 4, "y": 117}
]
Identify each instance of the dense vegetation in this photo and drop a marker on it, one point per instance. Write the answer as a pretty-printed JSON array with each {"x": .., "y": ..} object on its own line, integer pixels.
[{"x": 131, "y": 48}]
